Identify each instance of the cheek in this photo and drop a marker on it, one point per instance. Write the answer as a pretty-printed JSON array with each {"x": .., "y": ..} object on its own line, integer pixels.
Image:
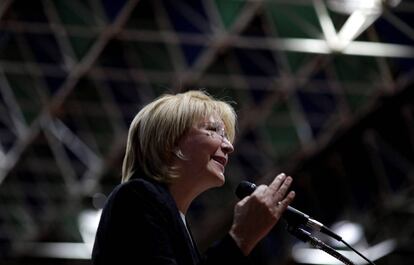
[
  {"x": 200, "y": 150},
  {"x": 203, "y": 143}
]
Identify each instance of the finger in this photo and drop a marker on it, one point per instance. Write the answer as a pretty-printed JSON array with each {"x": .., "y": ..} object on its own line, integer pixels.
[
  {"x": 283, "y": 188},
  {"x": 287, "y": 200},
  {"x": 260, "y": 190},
  {"x": 243, "y": 201},
  {"x": 278, "y": 195},
  {"x": 274, "y": 186}
]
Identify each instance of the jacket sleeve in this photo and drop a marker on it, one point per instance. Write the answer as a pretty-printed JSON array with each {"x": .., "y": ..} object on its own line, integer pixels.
[{"x": 224, "y": 252}]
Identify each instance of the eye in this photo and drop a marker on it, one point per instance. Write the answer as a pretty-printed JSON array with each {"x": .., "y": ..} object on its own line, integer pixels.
[
  {"x": 216, "y": 128},
  {"x": 213, "y": 128}
]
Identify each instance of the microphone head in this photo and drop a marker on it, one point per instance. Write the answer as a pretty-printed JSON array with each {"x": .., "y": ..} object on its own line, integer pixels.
[{"x": 245, "y": 188}]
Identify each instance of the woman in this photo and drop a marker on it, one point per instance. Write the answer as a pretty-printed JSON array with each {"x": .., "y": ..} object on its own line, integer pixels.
[{"x": 177, "y": 148}]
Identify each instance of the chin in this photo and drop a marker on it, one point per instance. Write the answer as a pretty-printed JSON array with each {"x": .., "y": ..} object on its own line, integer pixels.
[
  {"x": 216, "y": 180},
  {"x": 217, "y": 175},
  {"x": 221, "y": 179}
]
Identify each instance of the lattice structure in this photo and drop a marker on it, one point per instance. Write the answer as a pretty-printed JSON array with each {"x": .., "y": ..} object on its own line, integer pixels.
[{"x": 74, "y": 73}]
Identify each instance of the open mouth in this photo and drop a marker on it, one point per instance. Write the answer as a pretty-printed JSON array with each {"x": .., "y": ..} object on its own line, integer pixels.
[{"x": 221, "y": 160}]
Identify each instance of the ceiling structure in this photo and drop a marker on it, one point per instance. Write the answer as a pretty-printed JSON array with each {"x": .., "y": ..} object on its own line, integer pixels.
[{"x": 310, "y": 80}]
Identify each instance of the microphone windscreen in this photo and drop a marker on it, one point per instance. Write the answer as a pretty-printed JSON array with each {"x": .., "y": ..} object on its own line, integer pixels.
[{"x": 244, "y": 189}]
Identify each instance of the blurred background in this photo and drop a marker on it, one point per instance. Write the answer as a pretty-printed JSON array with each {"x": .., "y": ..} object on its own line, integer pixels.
[{"x": 323, "y": 90}]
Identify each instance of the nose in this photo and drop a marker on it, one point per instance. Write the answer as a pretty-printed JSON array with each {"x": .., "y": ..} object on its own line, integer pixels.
[{"x": 227, "y": 146}]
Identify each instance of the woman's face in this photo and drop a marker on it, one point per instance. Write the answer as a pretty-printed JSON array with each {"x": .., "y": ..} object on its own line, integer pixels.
[{"x": 205, "y": 148}]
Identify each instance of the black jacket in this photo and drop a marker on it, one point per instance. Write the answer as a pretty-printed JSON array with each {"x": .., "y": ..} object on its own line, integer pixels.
[{"x": 141, "y": 224}]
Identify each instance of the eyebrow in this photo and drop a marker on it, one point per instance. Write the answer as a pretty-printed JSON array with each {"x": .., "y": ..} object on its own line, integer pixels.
[{"x": 215, "y": 123}]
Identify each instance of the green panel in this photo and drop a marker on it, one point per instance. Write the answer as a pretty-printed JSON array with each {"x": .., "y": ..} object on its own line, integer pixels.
[
  {"x": 283, "y": 139},
  {"x": 285, "y": 17},
  {"x": 75, "y": 12},
  {"x": 296, "y": 60},
  {"x": 280, "y": 130},
  {"x": 356, "y": 101},
  {"x": 152, "y": 55},
  {"x": 229, "y": 10},
  {"x": 96, "y": 121},
  {"x": 280, "y": 109},
  {"x": 81, "y": 45},
  {"x": 18, "y": 220},
  {"x": 69, "y": 224},
  {"x": 356, "y": 68},
  {"x": 24, "y": 88}
]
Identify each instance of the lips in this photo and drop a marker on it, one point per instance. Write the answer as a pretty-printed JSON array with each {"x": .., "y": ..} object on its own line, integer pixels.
[{"x": 221, "y": 160}]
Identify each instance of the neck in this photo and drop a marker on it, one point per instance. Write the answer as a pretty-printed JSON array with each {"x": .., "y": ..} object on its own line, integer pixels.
[
  {"x": 183, "y": 195},
  {"x": 186, "y": 187}
]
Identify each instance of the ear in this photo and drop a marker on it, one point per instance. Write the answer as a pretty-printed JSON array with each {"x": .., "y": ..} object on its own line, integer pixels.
[{"x": 178, "y": 153}]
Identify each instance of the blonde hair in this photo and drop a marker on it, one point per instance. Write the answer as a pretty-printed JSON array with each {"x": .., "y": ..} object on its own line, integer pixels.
[{"x": 157, "y": 128}]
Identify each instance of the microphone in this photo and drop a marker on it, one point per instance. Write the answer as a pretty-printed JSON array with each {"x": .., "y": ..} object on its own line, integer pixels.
[
  {"x": 293, "y": 216},
  {"x": 305, "y": 236}
]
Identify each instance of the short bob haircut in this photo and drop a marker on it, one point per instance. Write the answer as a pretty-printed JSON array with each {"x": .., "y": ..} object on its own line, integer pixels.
[{"x": 157, "y": 128}]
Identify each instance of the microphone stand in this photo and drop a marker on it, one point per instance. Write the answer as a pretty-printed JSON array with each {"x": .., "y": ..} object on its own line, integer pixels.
[{"x": 305, "y": 236}]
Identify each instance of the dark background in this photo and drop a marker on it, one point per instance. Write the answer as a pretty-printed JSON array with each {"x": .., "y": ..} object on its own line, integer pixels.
[{"x": 74, "y": 73}]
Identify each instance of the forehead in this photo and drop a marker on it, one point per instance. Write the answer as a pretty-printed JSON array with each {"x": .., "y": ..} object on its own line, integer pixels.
[
  {"x": 225, "y": 121},
  {"x": 211, "y": 119}
]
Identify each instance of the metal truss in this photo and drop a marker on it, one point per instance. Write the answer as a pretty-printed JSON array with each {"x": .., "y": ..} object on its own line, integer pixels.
[{"x": 74, "y": 73}]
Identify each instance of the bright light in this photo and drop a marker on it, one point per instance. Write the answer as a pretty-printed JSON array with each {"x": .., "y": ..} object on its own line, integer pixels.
[
  {"x": 362, "y": 14},
  {"x": 88, "y": 221},
  {"x": 305, "y": 255},
  {"x": 353, "y": 234},
  {"x": 350, "y": 6},
  {"x": 359, "y": 21},
  {"x": 60, "y": 250},
  {"x": 88, "y": 224}
]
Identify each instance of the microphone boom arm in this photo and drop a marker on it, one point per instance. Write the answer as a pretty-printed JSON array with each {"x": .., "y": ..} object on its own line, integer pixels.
[
  {"x": 295, "y": 218},
  {"x": 305, "y": 236}
]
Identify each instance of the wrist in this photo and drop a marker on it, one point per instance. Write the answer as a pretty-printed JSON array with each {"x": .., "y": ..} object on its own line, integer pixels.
[{"x": 241, "y": 242}]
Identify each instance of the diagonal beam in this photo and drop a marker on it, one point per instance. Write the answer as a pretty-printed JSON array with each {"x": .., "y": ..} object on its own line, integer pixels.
[
  {"x": 219, "y": 41},
  {"x": 60, "y": 33},
  {"x": 326, "y": 22},
  {"x": 76, "y": 73}
]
